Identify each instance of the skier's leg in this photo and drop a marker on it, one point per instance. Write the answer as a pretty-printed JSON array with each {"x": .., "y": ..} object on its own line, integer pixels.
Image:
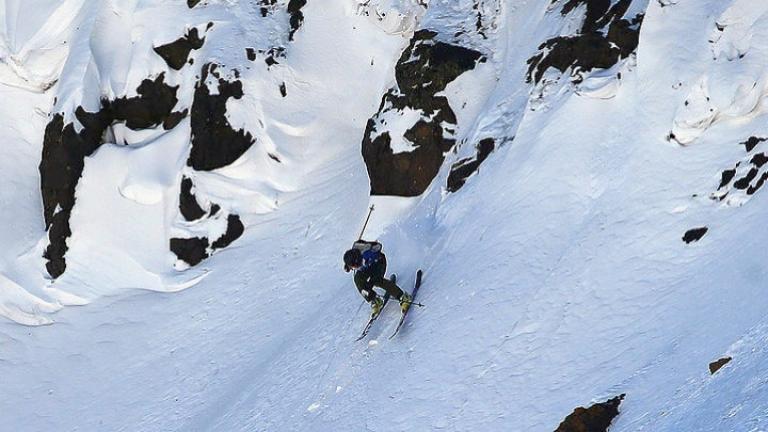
[
  {"x": 380, "y": 281},
  {"x": 361, "y": 281}
]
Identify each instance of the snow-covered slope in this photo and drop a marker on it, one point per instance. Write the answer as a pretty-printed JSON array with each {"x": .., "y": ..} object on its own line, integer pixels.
[{"x": 580, "y": 180}]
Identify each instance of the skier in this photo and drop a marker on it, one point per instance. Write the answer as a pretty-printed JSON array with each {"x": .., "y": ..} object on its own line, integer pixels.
[{"x": 370, "y": 264}]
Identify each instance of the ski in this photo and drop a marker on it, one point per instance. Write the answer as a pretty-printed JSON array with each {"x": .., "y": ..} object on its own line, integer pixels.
[
  {"x": 367, "y": 328},
  {"x": 413, "y": 299}
]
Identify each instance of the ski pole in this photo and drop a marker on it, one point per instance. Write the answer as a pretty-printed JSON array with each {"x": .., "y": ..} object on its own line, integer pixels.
[
  {"x": 414, "y": 303},
  {"x": 366, "y": 222}
]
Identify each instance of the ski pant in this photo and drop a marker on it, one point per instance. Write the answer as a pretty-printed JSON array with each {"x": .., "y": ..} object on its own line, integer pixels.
[{"x": 365, "y": 280}]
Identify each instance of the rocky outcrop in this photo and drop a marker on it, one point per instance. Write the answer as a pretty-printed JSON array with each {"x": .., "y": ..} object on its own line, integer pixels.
[
  {"x": 424, "y": 69},
  {"x": 738, "y": 184},
  {"x": 297, "y": 16},
  {"x": 596, "y": 418},
  {"x": 716, "y": 365},
  {"x": 464, "y": 168},
  {"x": 176, "y": 53},
  {"x": 65, "y": 149},
  {"x": 605, "y": 38},
  {"x": 215, "y": 144},
  {"x": 694, "y": 235}
]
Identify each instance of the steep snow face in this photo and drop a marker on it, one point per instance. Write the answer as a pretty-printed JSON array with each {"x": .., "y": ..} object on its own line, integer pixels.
[{"x": 585, "y": 183}]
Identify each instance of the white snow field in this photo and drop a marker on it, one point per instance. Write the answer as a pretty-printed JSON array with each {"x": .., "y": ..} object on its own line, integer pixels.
[{"x": 556, "y": 277}]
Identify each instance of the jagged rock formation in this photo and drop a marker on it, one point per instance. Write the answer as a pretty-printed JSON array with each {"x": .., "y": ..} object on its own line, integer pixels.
[
  {"x": 464, "y": 168},
  {"x": 605, "y": 37},
  {"x": 738, "y": 184},
  {"x": 297, "y": 16},
  {"x": 716, "y": 365},
  {"x": 65, "y": 149},
  {"x": 425, "y": 68},
  {"x": 215, "y": 144},
  {"x": 695, "y": 234},
  {"x": 176, "y": 53},
  {"x": 596, "y": 418}
]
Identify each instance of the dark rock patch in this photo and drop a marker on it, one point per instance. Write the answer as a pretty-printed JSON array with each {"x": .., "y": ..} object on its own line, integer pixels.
[
  {"x": 215, "y": 144},
  {"x": 176, "y": 53},
  {"x": 283, "y": 91},
  {"x": 694, "y": 235},
  {"x": 752, "y": 142},
  {"x": 235, "y": 229},
  {"x": 748, "y": 175},
  {"x": 174, "y": 119},
  {"x": 188, "y": 205},
  {"x": 250, "y": 53},
  {"x": 192, "y": 3},
  {"x": 424, "y": 69},
  {"x": 297, "y": 16},
  {"x": 65, "y": 149},
  {"x": 605, "y": 38},
  {"x": 716, "y": 365},
  {"x": 596, "y": 418},
  {"x": 266, "y": 6},
  {"x": 190, "y": 250},
  {"x": 464, "y": 168},
  {"x": 272, "y": 55}
]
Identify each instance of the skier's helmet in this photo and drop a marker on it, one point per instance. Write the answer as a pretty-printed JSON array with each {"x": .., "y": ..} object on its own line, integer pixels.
[{"x": 353, "y": 258}]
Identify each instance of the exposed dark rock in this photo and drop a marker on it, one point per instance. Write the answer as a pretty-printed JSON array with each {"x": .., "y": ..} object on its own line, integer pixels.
[
  {"x": 466, "y": 167},
  {"x": 250, "y": 53},
  {"x": 283, "y": 91},
  {"x": 603, "y": 40},
  {"x": 266, "y": 6},
  {"x": 596, "y": 418},
  {"x": 65, "y": 149},
  {"x": 272, "y": 55},
  {"x": 235, "y": 229},
  {"x": 752, "y": 142},
  {"x": 151, "y": 108},
  {"x": 297, "y": 16},
  {"x": 192, "y": 3},
  {"x": 174, "y": 119},
  {"x": 726, "y": 178},
  {"x": 215, "y": 143},
  {"x": 188, "y": 205},
  {"x": 190, "y": 250},
  {"x": 694, "y": 234},
  {"x": 176, "y": 53},
  {"x": 716, "y": 365},
  {"x": 424, "y": 69}
]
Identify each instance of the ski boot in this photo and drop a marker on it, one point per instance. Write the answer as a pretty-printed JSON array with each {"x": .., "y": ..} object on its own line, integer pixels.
[
  {"x": 376, "y": 305},
  {"x": 405, "y": 301}
]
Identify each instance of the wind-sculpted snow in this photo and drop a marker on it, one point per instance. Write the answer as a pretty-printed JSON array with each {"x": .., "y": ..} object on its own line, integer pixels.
[
  {"x": 406, "y": 141},
  {"x": 586, "y": 254},
  {"x": 66, "y": 146}
]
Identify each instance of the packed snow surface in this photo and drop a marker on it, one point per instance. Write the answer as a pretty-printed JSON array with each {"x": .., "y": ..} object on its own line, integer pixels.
[{"x": 557, "y": 276}]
